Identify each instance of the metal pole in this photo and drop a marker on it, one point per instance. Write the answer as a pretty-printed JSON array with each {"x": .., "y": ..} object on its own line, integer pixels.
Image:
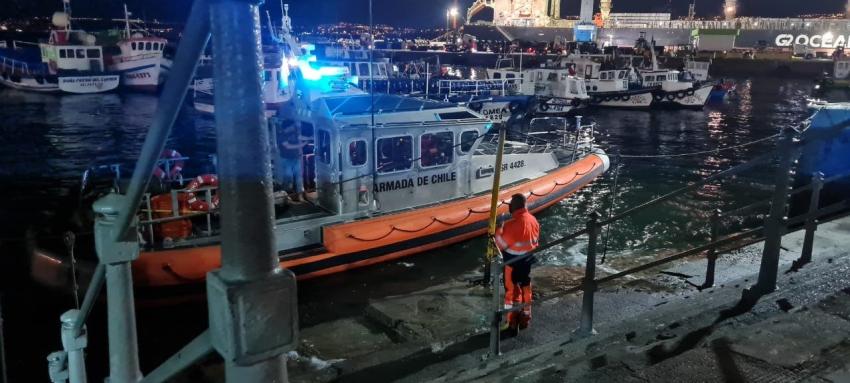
[
  {"x": 492, "y": 250},
  {"x": 3, "y": 376},
  {"x": 712, "y": 253},
  {"x": 247, "y": 209},
  {"x": 775, "y": 226},
  {"x": 811, "y": 221},
  {"x": 74, "y": 345},
  {"x": 496, "y": 322},
  {"x": 589, "y": 283},
  {"x": 192, "y": 44},
  {"x": 123, "y": 340}
]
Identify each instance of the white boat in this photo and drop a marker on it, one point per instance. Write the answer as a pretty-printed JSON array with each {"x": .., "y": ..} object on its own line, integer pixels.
[
  {"x": 557, "y": 90},
  {"x": 139, "y": 59},
  {"x": 609, "y": 87},
  {"x": 275, "y": 85},
  {"x": 674, "y": 88},
  {"x": 68, "y": 62},
  {"x": 698, "y": 68}
]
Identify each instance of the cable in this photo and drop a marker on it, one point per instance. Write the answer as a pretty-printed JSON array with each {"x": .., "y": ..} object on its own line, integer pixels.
[{"x": 702, "y": 152}]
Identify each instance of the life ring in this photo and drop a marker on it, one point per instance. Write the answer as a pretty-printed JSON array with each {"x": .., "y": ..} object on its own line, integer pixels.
[
  {"x": 680, "y": 95},
  {"x": 671, "y": 97},
  {"x": 176, "y": 165},
  {"x": 543, "y": 106},
  {"x": 659, "y": 97},
  {"x": 198, "y": 204}
]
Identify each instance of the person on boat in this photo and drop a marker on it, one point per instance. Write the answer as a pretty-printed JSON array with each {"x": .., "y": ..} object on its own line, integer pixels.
[
  {"x": 516, "y": 238},
  {"x": 291, "y": 155}
]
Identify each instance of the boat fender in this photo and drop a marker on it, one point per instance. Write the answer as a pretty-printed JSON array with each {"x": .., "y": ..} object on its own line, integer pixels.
[
  {"x": 680, "y": 95},
  {"x": 671, "y": 97},
  {"x": 658, "y": 97},
  {"x": 176, "y": 167},
  {"x": 198, "y": 204},
  {"x": 626, "y": 97},
  {"x": 690, "y": 92},
  {"x": 607, "y": 98}
]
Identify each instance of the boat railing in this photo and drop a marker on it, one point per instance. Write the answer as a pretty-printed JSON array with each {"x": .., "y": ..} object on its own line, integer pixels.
[
  {"x": 501, "y": 87},
  {"x": 152, "y": 217},
  {"x": 18, "y": 66},
  {"x": 777, "y": 223}
]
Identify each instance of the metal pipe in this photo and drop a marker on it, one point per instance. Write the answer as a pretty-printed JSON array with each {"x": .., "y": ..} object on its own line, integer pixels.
[
  {"x": 712, "y": 253},
  {"x": 775, "y": 225},
  {"x": 192, "y": 44},
  {"x": 247, "y": 245},
  {"x": 811, "y": 222},
  {"x": 492, "y": 250},
  {"x": 123, "y": 340},
  {"x": 190, "y": 354},
  {"x": 589, "y": 283},
  {"x": 496, "y": 321},
  {"x": 3, "y": 374},
  {"x": 247, "y": 207}
]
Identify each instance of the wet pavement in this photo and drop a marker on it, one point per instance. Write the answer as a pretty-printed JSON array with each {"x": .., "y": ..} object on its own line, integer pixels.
[{"x": 649, "y": 325}]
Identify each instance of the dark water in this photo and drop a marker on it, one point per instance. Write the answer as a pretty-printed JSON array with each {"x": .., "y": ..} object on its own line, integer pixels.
[{"x": 47, "y": 141}]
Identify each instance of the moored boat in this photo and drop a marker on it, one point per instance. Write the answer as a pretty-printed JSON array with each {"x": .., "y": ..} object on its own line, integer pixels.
[{"x": 139, "y": 58}]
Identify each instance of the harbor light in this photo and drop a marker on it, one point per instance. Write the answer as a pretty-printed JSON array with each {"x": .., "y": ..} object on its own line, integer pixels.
[{"x": 453, "y": 12}]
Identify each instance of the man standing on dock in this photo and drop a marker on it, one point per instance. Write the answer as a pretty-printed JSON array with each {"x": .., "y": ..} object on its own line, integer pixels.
[{"x": 518, "y": 237}]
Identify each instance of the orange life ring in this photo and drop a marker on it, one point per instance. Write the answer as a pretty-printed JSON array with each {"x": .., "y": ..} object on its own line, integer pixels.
[
  {"x": 198, "y": 204},
  {"x": 176, "y": 167}
]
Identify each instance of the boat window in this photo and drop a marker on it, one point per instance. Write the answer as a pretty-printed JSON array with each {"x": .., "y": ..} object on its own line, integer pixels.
[
  {"x": 63, "y": 54},
  {"x": 394, "y": 154},
  {"x": 467, "y": 139},
  {"x": 93, "y": 53},
  {"x": 364, "y": 69},
  {"x": 649, "y": 78},
  {"x": 436, "y": 149},
  {"x": 133, "y": 46},
  {"x": 659, "y": 78},
  {"x": 552, "y": 77},
  {"x": 324, "y": 149},
  {"x": 81, "y": 53},
  {"x": 148, "y": 46},
  {"x": 379, "y": 70},
  {"x": 267, "y": 76},
  {"x": 622, "y": 75},
  {"x": 603, "y": 76},
  {"x": 156, "y": 46},
  {"x": 588, "y": 71},
  {"x": 510, "y": 75},
  {"x": 456, "y": 115},
  {"x": 357, "y": 153},
  {"x": 539, "y": 76},
  {"x": 497, "y": 75}
]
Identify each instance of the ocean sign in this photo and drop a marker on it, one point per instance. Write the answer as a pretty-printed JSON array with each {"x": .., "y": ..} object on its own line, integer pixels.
[{"x": 826, "y": 40}]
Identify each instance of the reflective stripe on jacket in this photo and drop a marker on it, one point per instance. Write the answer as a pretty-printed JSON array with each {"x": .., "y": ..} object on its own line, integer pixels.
[{"x": 520, "y": 234}]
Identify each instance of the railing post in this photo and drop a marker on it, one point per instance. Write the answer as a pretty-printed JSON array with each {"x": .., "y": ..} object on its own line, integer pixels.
[
  {"x": 589, "y": 283},
  {"x": 775, "y": 224},
  {"x": 74, "y": 343},
  {"x": 496, "y": 320},
  {"x": 712, "y": 253},
  {"x": 811, "y": 222}
]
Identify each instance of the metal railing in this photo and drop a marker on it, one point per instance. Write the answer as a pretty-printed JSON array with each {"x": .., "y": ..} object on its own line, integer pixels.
[
  {"x": 503, "y": 87},
  {"x": 775, "y": 226}
]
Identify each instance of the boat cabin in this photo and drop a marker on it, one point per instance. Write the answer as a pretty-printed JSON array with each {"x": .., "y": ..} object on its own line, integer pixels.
[
  {"x": 142, "y": 46},
  {"x": 699, "y": 69},
  {"x": 668, "y": 80},
  {"x": 378, "y": 70},
  {"x": 841, "y": 69},
  {"x": 72, "y": 51}
]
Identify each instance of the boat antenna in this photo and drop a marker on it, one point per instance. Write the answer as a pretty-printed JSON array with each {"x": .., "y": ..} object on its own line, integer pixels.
[
  {"x": 372, "y": 94},
  {"x": 654, "y": 58},
  {"x": 66, "y": 7}
]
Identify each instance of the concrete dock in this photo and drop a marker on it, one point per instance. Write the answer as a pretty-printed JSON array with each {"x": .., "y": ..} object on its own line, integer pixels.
[{"x": 652, "y": 327}]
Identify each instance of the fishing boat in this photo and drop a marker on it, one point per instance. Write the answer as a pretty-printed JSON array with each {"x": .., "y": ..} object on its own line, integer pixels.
[
  {"x": 840, "y": 78},
  {"x": 68, "y": 62},
  {"x": 139, "y": 58},
  {"x": 557, "y": 90},
  {"x": 608, "y": 86}
]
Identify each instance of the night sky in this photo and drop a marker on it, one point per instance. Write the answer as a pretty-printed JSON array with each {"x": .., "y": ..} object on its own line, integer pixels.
[{"x": 418, "y": 13}]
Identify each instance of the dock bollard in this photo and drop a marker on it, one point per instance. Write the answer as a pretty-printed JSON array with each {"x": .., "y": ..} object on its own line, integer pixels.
[
  {"x": 811, "y": 222},
  {"x": 589, "y": 283},
  {"x": 712, "y": 253}
]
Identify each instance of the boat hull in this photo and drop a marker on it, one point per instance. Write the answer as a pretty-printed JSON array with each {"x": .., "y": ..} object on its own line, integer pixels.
[
  {"x": 691, "y": 98},
  {"x": 89, "y": 83},
  {"x": 374, "y": 240},
  {"x": 631, "y": 99},
  {"x": 143, "y": 74},
  {"x": 29, "y": 84}
]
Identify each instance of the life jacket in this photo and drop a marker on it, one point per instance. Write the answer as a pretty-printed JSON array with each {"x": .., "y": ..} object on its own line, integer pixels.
[{"x": 520, "y": 234}]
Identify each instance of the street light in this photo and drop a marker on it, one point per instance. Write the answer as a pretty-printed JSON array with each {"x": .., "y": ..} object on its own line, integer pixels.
[{"x": 453, "y": 12}]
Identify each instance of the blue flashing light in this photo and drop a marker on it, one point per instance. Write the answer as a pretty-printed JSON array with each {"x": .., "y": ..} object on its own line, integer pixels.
[{"x": 313, "y": 74}]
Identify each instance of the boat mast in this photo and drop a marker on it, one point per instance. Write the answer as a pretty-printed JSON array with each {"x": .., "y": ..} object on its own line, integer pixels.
[
  {"x": 66, "y": 7},
  {"x": 126, "y": 21},
  {"x": 654, "y": 58}
]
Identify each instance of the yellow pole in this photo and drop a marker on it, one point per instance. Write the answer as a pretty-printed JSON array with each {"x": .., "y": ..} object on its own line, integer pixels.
[{"x": 492, "y": 251}]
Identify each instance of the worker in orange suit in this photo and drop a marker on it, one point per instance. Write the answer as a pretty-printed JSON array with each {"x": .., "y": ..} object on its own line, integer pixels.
[{"x": 516, "y": 238}]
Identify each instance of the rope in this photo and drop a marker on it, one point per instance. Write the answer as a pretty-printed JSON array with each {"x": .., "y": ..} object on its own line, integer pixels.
[{"x": 701, "y": 152}]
